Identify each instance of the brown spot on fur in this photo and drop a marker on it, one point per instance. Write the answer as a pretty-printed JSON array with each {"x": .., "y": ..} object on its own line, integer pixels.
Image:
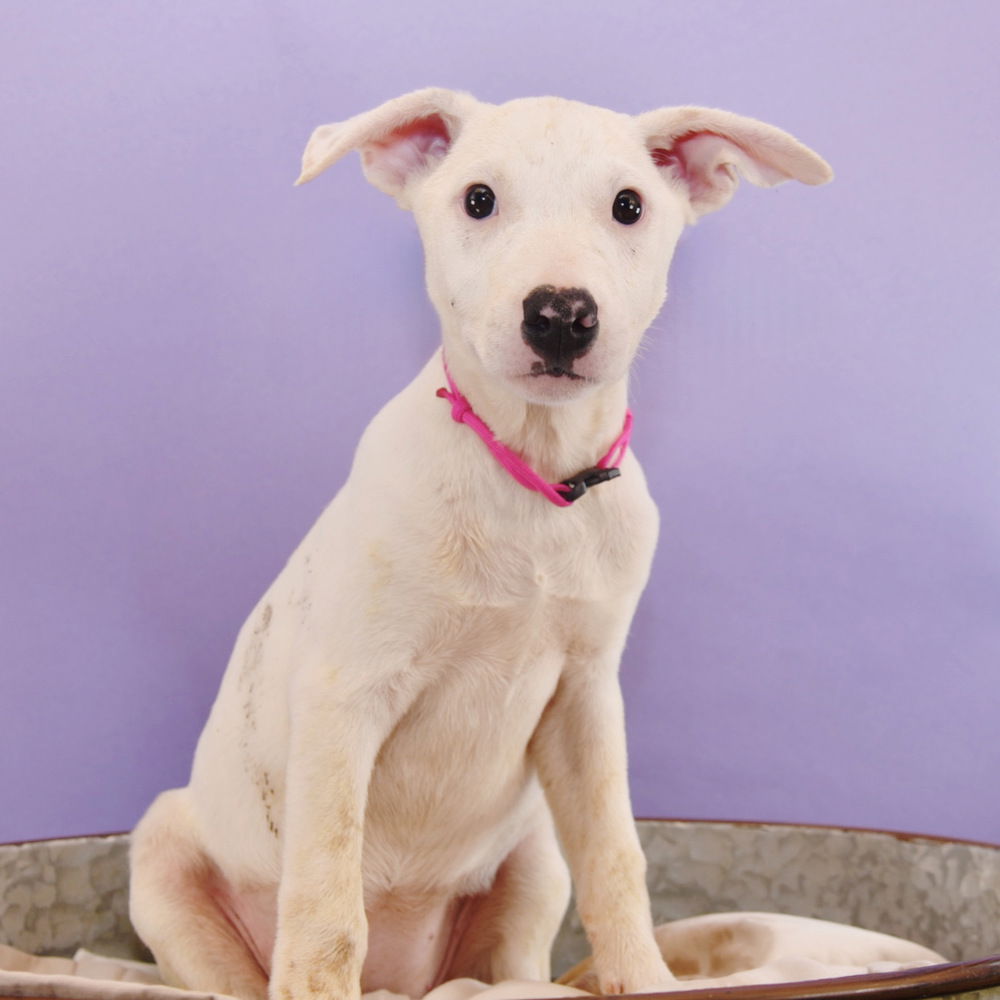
[
  {"x": 330, "y": 968},
  {"x": 251, "y": 663},
  {"x": 346, "y": 829},
  {"x": 268, "y": 796},
  {"x": 342, "y": 950}
]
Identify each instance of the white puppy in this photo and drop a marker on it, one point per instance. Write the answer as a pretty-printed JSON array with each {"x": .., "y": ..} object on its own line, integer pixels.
[{"x": 432, "y": 679}]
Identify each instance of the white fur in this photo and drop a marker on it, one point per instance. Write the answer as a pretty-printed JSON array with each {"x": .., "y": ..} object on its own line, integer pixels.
[{"x": 432, "y": 679}]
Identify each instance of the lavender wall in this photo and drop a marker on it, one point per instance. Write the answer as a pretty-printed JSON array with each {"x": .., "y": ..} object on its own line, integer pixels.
[{"x": 190, "y": 348}]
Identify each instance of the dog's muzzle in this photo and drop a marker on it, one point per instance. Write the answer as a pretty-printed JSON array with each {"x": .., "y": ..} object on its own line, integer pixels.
[{"x": 560, "y": 325}]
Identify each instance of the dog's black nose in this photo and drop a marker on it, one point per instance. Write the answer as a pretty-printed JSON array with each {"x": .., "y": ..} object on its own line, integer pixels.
[{"x": 560, "y": 325}]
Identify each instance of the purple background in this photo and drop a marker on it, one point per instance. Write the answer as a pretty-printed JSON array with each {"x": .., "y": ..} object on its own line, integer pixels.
[{"x": 191, "y": 347}]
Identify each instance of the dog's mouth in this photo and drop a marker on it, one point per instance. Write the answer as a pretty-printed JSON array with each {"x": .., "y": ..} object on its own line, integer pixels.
[{"x": 554, "y": 371}]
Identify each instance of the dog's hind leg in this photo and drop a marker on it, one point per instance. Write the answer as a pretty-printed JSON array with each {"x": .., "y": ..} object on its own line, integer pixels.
[
  {"x": 178, "y": 905},
  {"x": 508, "y": 931}
]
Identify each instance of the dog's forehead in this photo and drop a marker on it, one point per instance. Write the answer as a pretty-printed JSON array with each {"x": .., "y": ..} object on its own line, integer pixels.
[
  {"x": 556, "y": 116},
  {"x": 536, "y": 129}
]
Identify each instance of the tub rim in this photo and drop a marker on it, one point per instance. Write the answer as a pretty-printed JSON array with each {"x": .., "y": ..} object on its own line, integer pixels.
[{"x": 907, "y": 836}]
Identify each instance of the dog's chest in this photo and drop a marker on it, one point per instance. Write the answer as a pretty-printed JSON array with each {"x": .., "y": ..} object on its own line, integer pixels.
[
  {"x": 505, "y": 557},
  {"x": 455, "y": 771},
  {"x": 509, "y": 611}
]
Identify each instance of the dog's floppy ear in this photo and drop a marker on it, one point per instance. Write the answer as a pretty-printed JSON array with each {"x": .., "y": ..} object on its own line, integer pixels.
[
  {"x": 706, "y": 150},
  {"x": 398, "y": 140}
]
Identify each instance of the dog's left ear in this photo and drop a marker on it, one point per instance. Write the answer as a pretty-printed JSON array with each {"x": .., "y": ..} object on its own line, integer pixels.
[
  {"x": 398, "y": 141},
  {"x": 706, "y": 150}
]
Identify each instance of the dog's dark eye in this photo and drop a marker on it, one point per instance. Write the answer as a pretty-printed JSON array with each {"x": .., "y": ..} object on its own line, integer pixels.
[
  {"x": 627, "y": 207},
  {"x": 479, "y": 201}
]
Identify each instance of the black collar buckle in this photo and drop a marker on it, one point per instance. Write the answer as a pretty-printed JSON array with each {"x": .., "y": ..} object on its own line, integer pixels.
[{"x": 582, "y": 481}]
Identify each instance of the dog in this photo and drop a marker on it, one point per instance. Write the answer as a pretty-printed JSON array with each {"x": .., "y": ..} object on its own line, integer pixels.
[{"x": 423, "y": 711}]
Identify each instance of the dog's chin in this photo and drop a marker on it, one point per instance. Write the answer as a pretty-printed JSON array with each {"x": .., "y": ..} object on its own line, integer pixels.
[{"x": 552, "y": 386}]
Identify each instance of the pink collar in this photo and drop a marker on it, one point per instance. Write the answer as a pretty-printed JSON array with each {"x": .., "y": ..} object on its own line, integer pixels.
[{"x": 561, "y": 494}]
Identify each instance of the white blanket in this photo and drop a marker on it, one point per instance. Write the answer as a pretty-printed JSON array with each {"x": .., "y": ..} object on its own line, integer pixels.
[{"x": 726, "y": 949}]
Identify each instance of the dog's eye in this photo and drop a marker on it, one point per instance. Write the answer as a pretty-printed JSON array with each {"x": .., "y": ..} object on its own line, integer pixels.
[
  {"x": 627, "y": 207},
  {"x": 479, "y": 201}
]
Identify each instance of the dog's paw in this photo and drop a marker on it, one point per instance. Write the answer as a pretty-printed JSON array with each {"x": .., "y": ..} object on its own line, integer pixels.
[
  {"x": 651, "y": 976},
  {"x": 317, "y": 955},
  {"x": 312, "y": 987},
  {"x": 316, "y": 977}
]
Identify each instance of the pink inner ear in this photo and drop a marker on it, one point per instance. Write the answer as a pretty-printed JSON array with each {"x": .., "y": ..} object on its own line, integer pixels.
[
  {"x": 679, "y": 157},
  {"x": 427, "y": 135},
  {"x": 692, "y": 160},
  {"x": 409, "y": 148},
  {"x": 709, "y": 163},
  {"x": 664, "y": 157},
  {"x": 671, "y": 160}
]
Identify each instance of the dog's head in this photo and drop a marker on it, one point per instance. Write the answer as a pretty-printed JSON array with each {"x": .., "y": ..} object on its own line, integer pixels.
[{"x": 549, "y": 225}]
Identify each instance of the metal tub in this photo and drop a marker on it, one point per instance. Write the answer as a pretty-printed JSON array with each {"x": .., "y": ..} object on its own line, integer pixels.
[{"x": 60, "y": 895}]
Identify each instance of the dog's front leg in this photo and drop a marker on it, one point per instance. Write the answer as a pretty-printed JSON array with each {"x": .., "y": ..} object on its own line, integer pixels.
[
  {"x": 579, "y": 749},
  {"x": 322, "y": 931}
]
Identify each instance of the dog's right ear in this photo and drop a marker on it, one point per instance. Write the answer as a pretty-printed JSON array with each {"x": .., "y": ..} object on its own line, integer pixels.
[{"x": 398, "y": 141}]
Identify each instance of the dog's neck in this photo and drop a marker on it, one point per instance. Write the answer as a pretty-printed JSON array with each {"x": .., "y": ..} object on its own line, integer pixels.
[{"x": 555, "y": 440}]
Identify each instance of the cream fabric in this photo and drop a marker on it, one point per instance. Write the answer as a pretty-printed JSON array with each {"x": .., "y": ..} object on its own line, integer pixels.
[{"x": 726, "y": 949}]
